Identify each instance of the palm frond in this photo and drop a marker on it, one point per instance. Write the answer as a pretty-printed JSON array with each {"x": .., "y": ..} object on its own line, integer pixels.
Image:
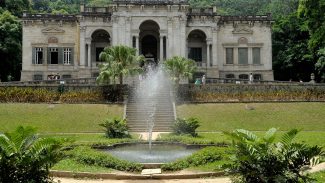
[{"x": 288, "y": 137}]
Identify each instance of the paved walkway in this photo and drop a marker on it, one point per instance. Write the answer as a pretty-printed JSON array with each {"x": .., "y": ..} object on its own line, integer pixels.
[
  {"x": 207, "y": 180},
  {"x": 319, "y": 167}
]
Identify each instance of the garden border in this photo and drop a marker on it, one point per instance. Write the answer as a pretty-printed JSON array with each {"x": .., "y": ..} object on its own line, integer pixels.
[{"x": 116, "y": 176}]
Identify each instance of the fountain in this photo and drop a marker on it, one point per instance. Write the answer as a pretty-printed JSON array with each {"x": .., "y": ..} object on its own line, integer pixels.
[{"x": 148, "y": 96}]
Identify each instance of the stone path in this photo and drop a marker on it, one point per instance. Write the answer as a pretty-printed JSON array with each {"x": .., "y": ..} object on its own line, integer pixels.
[
  {"x": 207, "y": 180},
  {"x": 319, "y": 167}
]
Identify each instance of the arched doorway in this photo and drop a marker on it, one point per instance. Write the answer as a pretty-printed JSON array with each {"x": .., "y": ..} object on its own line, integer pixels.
[
  {"x": 149, "y": 41},
  {"x": 197, "y": 47},
  {"x": 99, "y": 40}
]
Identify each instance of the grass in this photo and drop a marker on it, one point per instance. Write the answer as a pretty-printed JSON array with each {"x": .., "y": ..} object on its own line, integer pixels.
[
  {"x": 311, "y": 138},
  {"x": 319, "y": 176},
  {"x": 285, "y": 116},
  {"x": 59, "y": 118},
  {"x": 74, "y": 166}
]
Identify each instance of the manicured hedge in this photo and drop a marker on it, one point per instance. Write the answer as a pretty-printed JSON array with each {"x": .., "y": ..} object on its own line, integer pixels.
[
  {"x": 89, "y": 156},
  {"x": 202, "y": 157}
]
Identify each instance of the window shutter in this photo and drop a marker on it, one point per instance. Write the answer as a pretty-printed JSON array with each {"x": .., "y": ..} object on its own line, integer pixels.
[
  {"x": 72, "y": 56},
  {"x": 33, "y": 55},
  {"x": 48, "y": 56},
  {"x": 44, "y": 59},
  {"x": 60, "y": 55}
]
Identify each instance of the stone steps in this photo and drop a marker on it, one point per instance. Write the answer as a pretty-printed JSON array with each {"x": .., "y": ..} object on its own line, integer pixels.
[{"x": 138, "y": 110}]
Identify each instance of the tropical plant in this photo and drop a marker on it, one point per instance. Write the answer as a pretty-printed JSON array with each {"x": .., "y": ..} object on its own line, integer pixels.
[
  {"x": 265, "y": 160},
  {"x": 115, "y": 128},
  {"x": 186, "y": 126},
  {"x": 24, "y": 157},
  {"x": 179, "y": 67},
  {"x": 119, "y": 61}
]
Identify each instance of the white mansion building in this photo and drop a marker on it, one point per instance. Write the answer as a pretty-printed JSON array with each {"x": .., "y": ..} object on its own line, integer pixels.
[{"x": 222, "y": 46}]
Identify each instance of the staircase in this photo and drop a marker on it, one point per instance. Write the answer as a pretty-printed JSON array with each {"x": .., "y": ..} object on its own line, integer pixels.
[{"x": 138, "y": 110}]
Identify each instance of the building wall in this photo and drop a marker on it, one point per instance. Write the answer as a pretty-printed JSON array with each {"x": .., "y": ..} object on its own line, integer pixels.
[
  {"x": 123, "y": 26},
  {"x": 44, "y": 35}
]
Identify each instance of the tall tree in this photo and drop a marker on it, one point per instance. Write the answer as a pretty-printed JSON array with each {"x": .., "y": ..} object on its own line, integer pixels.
[
  {"x": 291, "y": 57},
  {"x": 119, "y": 61},
  {"x": 179, "y": 67},
  {"x": 10, "y": 46},
  {"x": 313, "y": 13}
]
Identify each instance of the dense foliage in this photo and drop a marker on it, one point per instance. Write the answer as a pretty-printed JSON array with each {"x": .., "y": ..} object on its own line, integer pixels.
[
  {"x": 24, "y": 157},
  {"x": 263, "y": 159},
  {"x": 186, "y": 126},
  {"x": 202, "y": 157},
  {"x": 42, "y": 95},
  {"x": 115, "y": 128},
  {"x": 89, "y": 156}
]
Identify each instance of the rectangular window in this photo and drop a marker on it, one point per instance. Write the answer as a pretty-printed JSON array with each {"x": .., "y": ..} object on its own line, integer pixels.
[
  {"x": 98, "y": 51},
  {"x": 242, "y": 56},
  {"x": 38, "y": 77},
  {"x": 66, "y": 76},
  {"x": 39, "y": 56},
  {"x": 256, "y": 56},
  {"x": 67, "y": 56},
  {"x": 195, "y": 54},
  {"x": 229, "y": 56},
  {"x": 54, "y": 56}
]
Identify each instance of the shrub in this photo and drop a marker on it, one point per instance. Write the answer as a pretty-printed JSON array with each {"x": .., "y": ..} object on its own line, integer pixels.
[
  {"x": 89, "y": 156},
  {"x": 202, "y": 157},
  {"x": 186, "y": 126},
  {"x": 115, "y": 128},
  {"x": 24, "y": 157},
  {"x": 264, "y": 160}
]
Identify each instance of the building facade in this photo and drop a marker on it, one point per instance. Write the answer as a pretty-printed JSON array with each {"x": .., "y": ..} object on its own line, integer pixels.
[{"x": 222, "y": 46}]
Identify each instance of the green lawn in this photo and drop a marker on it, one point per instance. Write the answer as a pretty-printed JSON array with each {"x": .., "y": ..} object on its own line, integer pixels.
[
  {"x": 284, "y": 116},
  {"x": 57, "y": 117}
]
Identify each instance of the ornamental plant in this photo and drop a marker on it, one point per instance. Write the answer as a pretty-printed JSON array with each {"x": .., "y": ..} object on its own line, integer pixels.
[
  {"x": 24, "y": 157},
  {"x": 115, "y": 128},
  {"x": 186, "y": 126},
  {"x": 262, "y": 159}
]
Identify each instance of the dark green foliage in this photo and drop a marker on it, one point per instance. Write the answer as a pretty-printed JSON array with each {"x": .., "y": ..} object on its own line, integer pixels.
[
  {"x": 202, "y": 157},
  {"x": 89, "y": 156},
  {"x": 24, "y": 157},
  {"x": 266, "y": 160},
  {"x": 115, "y": 128},
  {"x": 186, "y": 126},
  {"x": 10, "y": 46}
]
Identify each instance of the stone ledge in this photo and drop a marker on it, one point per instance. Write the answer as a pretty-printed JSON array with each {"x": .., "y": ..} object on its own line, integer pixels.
[{"x": 115, "y": 176}]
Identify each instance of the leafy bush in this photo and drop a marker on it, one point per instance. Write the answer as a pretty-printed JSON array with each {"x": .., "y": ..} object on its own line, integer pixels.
[
  {"x": 186, "y": 126},
  {"x": 264, "y": 160},
  {"x": 115, "y": 128},
  {"x": 202, "y": 157},
  {"x": 90, "y": 156},
  {"x": 24, "y": 157},
  {"x": 188, "y": 139}
]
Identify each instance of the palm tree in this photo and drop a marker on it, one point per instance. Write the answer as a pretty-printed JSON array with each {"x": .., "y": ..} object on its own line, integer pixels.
[
  {"x": 119, "y": 61},
  {"x": 24, "y": 157},
  {"x": 179, "y": 67},
  {"x": 263, "y": 159}
]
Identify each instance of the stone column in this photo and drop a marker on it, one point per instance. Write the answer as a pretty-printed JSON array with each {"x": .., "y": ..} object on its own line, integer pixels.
[
  {"x": 208, "y": 55},
  {"x": 89, "y": 54},
  {"x": 137, "y": 44},
  {"x": 82, "y": 47},
  {"x": 161, "y": 55}
]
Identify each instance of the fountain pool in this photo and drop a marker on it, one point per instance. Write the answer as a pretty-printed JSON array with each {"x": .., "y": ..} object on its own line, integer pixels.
[{"x": 160, "y": 153}]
